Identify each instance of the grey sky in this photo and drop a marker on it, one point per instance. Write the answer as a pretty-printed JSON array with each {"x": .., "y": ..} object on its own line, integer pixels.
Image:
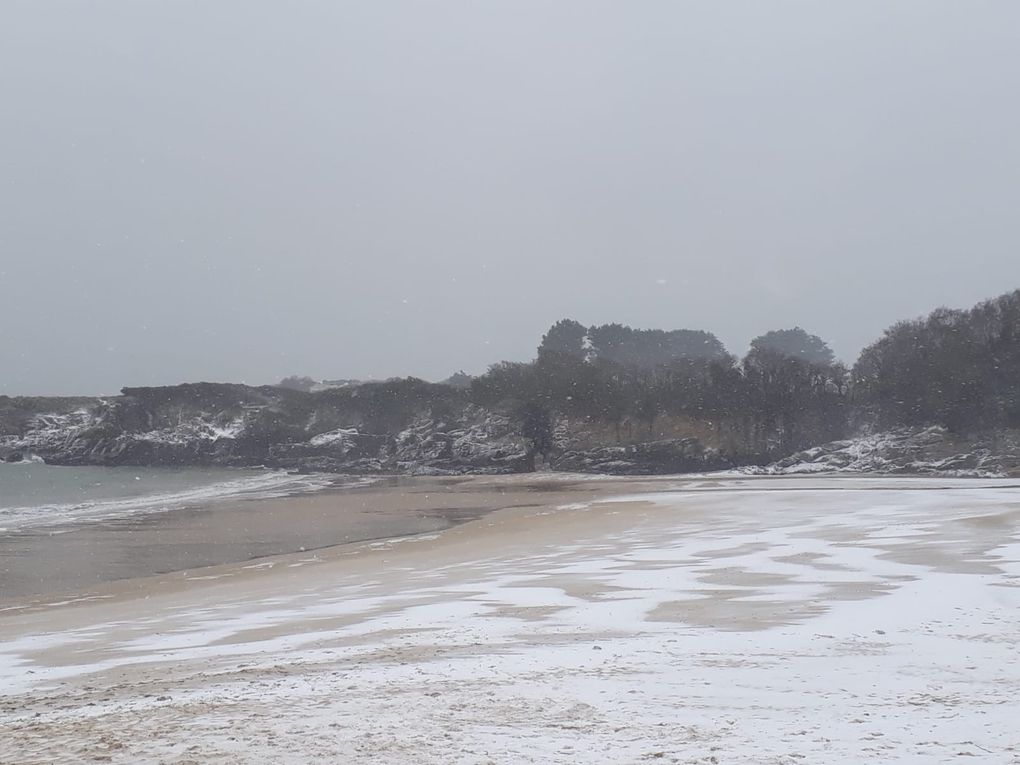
[{"x": 245, "y": 190}]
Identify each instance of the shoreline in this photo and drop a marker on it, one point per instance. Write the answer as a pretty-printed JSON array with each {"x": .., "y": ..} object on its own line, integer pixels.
[
  {"x": 78, "y": 559},
  {"x": 795, "y": 619},
  {"x": 84, "y": 560},
  {"x": 204, "y": 487},
  {"x": 346, "y": 519}
]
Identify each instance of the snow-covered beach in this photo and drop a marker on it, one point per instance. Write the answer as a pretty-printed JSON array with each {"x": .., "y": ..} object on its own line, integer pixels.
[{"x": 703, "y": 620}]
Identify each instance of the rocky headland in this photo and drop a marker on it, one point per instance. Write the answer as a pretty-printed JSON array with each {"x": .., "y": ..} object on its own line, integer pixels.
[
  {"x": 414, "y": 427},
  {"x": 400, "y": 427}
]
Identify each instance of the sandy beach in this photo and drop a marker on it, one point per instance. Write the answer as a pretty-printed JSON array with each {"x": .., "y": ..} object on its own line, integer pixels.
[
  {"x": 39, "y": 563},
  {"x": 561, "y": 620}
]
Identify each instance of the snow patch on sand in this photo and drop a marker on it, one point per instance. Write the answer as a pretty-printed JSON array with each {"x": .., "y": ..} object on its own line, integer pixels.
[{"x": 752, "y": 621}]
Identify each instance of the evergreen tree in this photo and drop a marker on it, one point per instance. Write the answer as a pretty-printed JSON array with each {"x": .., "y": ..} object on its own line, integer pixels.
[
  {"x": 565, "y": 336},
  {"x": 794, "y": 343}
]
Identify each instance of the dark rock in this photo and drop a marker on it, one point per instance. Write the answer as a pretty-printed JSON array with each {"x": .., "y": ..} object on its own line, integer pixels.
[
  {"x": 232, "y": 425},
  {"x": 915, "y": 451},
  {"x": 677, "y": 455}
]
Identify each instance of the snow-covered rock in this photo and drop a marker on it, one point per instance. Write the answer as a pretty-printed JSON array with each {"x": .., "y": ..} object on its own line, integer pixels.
[
  {"x": 207, "y": 424},
  {"x": 477, "y": 442},
  {"x": 416, "y": 430},
  {"x": 925, "y": 451},
  {"x": 676, "y": 455}
]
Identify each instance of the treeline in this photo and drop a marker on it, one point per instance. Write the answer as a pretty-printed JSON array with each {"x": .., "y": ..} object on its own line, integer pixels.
[
  {"x": 786, "y": 393},
  {"x": 960, "y": 369}
]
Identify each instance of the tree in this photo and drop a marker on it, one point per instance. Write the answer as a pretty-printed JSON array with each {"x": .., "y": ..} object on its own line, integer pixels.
[
  {"x": 459, "y": 379},
  {"x": 565, "y": 336},
  {"x": 504, "y": 383},
  {"x": 960, "y": 369},
  {"x": 794, "y": 343},
  {"x": 536, "y": 425},
  {"x": 796, "y": 395},
  {"x": 650, "y": 348}
]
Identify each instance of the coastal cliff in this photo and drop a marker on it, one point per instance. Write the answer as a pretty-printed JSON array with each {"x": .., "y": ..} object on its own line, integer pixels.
[
  {"x": 933, "y": 450},
  {"x": 398, "y": 427},
  {"x": 414, "y": 427}
]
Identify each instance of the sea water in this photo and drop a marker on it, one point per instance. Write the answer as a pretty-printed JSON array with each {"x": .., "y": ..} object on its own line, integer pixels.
[{"x": 34, "y": 494}]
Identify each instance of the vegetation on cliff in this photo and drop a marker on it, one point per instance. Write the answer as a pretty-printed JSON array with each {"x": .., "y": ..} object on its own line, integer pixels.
[{"x": 606, "y": 397}]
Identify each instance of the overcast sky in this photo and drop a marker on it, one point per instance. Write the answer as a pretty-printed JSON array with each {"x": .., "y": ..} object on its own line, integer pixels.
[{"x": 195, "y": 190}]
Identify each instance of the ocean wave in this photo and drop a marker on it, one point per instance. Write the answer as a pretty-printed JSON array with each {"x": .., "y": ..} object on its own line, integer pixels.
[{"x": 263, "y": 485}]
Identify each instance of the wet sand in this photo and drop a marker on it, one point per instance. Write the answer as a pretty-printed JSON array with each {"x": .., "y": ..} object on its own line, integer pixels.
[{"x": 75, "y": 559}]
